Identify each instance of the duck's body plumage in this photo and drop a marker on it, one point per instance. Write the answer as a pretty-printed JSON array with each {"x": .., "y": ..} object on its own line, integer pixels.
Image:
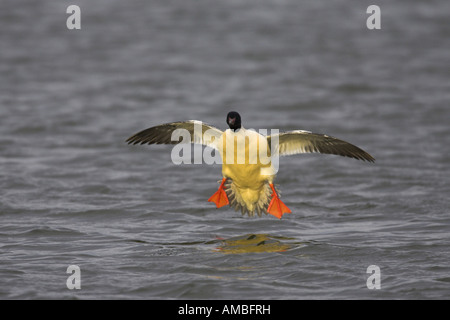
[
  {"x": 248, "y": 176},
  {"x": 247, "y": 171}
]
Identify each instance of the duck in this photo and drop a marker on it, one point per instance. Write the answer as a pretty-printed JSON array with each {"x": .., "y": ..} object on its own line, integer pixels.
[{"x": 248, "y": 158}]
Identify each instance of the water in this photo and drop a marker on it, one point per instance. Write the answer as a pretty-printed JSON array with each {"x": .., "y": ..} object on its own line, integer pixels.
[{"x": 139, "y": 227}]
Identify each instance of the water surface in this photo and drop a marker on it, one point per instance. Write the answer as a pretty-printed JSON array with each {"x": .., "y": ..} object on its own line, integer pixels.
[{"x": 139, "y": 227}]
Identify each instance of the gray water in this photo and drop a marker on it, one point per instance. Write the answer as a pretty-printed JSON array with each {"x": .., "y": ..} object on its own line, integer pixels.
[{"x": 139, "y": 227}]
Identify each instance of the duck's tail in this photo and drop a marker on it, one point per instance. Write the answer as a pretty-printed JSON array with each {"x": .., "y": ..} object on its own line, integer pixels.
[{"x": 238, "y": 203}]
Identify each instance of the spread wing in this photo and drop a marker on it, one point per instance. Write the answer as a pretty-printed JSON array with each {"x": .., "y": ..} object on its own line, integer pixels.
[
  {"x": 196, "y": 131},
  {"x": 300, "y": 141}
]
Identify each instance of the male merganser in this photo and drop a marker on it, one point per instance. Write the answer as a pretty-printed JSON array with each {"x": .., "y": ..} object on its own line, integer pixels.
[{"x": 247, "y": 179}]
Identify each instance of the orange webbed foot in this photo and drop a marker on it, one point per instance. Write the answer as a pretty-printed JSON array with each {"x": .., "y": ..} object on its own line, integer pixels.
[
  {"x": 220, "y": 197},
  {"x": 276, "y": 206}
]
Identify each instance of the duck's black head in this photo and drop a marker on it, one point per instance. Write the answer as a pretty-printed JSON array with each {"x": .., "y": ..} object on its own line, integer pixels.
[{"x": 234, "y": 120}]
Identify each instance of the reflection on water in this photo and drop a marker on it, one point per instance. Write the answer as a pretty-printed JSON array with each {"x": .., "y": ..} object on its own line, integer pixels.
[{"x": 255, "y": 243}]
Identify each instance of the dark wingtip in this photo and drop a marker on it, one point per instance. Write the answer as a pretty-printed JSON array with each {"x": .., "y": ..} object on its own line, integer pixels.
[
  {"x": 130, "y": 140},
  {"x": 367, "y": 157}
]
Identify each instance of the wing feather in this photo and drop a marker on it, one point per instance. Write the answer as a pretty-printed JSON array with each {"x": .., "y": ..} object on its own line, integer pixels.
[
  {"x": 200, "y": 133},
  {"x": 300, "y": 141}
]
